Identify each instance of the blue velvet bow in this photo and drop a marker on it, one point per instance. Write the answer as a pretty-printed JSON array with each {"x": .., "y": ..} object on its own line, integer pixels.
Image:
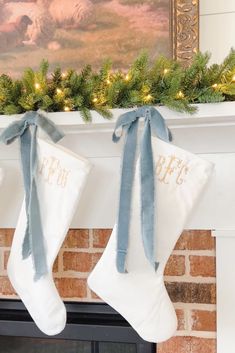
[
  {"x": 33, "y": 243},
  {"x": 154, "y": 124}
]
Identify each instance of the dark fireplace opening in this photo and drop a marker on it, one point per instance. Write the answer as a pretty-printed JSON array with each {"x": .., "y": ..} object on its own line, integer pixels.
[{"x": 91, "y": 328}]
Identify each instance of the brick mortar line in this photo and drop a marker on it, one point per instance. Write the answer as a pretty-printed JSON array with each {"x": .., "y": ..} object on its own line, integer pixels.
[
  {"x": 194, "y": 252},
  {"x": 89, "y": 296},
  {"x": 60, "y": 263},
  {"x": 71, "y": 274},
  {"x": 199, "y": 334},
  {"x": 76, "y": 299},
  {"x": 190, "y": 279},
  {"x": 195, "y": 306},
  {"x": 187, "y": 264},
  {"x": 9, "y": 296},
  {"x": 188, "y": 319},
  {"x": 82, "y": 250}
]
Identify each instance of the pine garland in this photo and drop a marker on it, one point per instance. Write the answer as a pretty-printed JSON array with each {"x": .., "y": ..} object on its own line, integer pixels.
[{"x": 162, "y": 82}]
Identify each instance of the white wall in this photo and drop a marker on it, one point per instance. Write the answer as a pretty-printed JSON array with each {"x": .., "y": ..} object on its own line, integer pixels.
[{"x": 217, "y": 27}]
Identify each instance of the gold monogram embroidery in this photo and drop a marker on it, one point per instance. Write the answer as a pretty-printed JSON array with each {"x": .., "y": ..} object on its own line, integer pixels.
[
  {"x": 171, "y": 167},
  {"x": 52, "y": 172}
]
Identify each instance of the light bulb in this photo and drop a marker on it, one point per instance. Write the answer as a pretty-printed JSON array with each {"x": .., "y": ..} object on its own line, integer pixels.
[
  {"x": 66, "y": 109},
  {"x": 180, "y": 94},
  {"x": 37, "y": 85},
  {"x": 148, "y": 97},
  {"x": 215, "y": 85},
  {"x": 127, "y": 77},
  {"x": 95, "y": 100},
  {"x": 58, "y": 90},
  {"x": 233, "y": 78},
  {"x": 165, "y": 71}
]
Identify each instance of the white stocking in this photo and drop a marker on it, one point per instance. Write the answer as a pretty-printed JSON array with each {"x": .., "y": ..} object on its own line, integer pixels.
[
  {"x": 61, "y": 176},
  {"x": 140, "y": 295}
]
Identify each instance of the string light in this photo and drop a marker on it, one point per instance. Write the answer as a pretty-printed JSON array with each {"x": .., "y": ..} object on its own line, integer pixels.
[
  {"x": 127, "y": 77},
  {"x": 108, "y": 81},
  {"x": 66, "y": 109},
  {"x": 165, "y": 71},
  {"x": 58, "y": 90},
  {"x": 180, "y": 94},
  {"x": 215, "y": 85},
  {"x": 95, "y": 100},
  {"x": 64, "y": 74},
  {"x": 148, "y": 97},
  {"x": 37, "y": 85},
  {"x": 233, "y": 78}
]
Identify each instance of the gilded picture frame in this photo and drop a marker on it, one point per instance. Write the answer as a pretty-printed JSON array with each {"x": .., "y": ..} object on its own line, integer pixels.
[{"x": 185, "y": 29}]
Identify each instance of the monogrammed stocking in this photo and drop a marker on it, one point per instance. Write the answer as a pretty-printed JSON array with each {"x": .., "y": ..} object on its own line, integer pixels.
[
  {"x": 60, "y": 177},
  {"x": 140, "y": 295}
]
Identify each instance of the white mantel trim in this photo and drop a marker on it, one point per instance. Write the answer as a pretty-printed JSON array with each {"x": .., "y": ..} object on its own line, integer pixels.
[
  {"x": 209, "y": 114},
  {"x": 226, "y": 233}
]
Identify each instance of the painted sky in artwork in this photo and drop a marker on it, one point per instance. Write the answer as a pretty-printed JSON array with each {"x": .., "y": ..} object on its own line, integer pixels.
[{"x": 73, "y": 33}]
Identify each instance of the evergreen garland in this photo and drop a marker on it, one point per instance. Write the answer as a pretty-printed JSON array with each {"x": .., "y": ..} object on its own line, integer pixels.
[{"x": 162, "y": 82}]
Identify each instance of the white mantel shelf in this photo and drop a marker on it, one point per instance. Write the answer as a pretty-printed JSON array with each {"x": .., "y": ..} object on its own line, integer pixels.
[
  {"x": 215, "y": 114},
  {"x": 210, "y": 133}
]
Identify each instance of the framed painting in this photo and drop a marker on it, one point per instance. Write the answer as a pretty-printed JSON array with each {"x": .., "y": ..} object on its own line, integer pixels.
[{"x": 72, "y": 33}]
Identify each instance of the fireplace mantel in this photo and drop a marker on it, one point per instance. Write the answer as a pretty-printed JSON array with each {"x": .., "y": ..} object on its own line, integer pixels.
[{"x": 210, "y": 133}]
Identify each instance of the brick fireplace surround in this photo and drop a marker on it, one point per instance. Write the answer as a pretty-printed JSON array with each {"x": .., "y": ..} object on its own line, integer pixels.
[{"x": 189, "y": 276}]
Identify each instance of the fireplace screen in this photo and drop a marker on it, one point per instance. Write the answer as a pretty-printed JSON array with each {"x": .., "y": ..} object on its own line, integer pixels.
[{"x": 91, "y": 328}]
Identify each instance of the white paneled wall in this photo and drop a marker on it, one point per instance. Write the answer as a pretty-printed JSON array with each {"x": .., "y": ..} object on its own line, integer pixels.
[{"x": 217, "y": 27}]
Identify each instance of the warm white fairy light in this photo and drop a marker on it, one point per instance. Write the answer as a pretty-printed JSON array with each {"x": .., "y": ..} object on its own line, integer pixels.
[
  {"x": 215, "y": 85},
  {"x": 58, "y": 91},
  {"x": 165, "y": 71},
  {"x": 180, "y": 94},
  {"x": 37, "y": 85},
  {"x": 127, "y": 77},
  {"x": 148, "y": 97},
  {"x": 66, "y": 109},
  {"x": 95, "y": 100}
]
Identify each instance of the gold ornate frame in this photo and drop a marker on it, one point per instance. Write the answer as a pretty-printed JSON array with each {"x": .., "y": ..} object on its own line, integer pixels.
[{"x": 185, "y": 29}]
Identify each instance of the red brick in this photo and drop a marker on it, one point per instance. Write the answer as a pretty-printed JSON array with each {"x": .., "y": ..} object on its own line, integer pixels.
[
  {"x": 6, "y": 236},
  {"x": 71, "y": 287},
  {"x": 175, "y": 266},
  {"x": 6, "y": 287},
  {"x": 101, "y": 237},
  {"x": 80, "y": 261},
  {"x": 203, "y": 320},
  {"x": 187, "y": 345},
  {"x": 77, "y": 238},
  {"x": 202, "y": 266},
  {"x": 77, "y": 261},
  {"x": 195, "y": 240},
  {"x": 187, "y": 292},
  {"x": 181, "y": 319}
]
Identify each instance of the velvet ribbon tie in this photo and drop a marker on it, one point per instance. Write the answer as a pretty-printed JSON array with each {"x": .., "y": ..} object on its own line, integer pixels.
[
  {"x": 154, "y": 124},
  {"x": 33, "y": 243}
]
